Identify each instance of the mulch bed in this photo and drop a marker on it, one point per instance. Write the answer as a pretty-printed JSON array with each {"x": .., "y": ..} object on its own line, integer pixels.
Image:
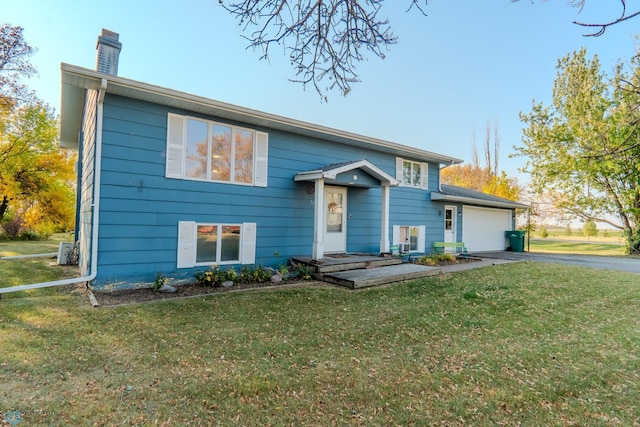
[{"x": 136, "y": 296}]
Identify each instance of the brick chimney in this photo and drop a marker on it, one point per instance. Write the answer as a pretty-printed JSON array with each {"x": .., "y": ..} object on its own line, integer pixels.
[{"x": 108, "y": 52}]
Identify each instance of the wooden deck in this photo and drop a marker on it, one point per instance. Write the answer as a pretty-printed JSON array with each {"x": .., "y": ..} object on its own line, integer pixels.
[{"x": 356, "y": 271}]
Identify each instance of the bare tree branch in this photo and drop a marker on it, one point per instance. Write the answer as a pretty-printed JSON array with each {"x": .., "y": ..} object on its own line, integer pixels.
[
  {"x": 603, "y": 26},
  {"x": 324, "y": 39}
]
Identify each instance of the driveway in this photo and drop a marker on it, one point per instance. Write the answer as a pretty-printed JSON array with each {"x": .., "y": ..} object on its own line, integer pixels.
[{"x": 629, "y": 264}]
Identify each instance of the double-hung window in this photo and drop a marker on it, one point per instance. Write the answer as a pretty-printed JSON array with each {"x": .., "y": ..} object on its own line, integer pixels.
[
  {"x": 412, "y": 174},
  {"x": 204, "y": 150}
]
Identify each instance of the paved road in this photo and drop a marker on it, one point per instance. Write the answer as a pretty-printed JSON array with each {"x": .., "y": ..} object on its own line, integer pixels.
[{"x": 630, "y": 264}]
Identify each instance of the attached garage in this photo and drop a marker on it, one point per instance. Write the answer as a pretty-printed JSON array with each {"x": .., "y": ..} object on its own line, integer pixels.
[
  {"x": 483, "y": 228},
  {"x": 483, "y": 218}
]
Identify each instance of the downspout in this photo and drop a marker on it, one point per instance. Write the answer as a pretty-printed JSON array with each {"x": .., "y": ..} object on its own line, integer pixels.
[{"x": 95, "y": 206}]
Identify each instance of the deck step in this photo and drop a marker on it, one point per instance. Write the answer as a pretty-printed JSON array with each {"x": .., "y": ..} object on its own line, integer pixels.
[
  {"x": 362, "y": 278},
  {"x": 347, "y": 262}
]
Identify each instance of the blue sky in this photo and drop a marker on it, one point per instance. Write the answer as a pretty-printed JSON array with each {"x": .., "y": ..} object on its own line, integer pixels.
[{"x": 465, "y": 63}]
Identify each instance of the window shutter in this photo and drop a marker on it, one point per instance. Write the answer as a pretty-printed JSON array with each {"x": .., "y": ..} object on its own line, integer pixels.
[
  {"x": 261, "y": 159},
  {"x": 424, "y": 175},
  {"x": 248, "y": 255},
  {"x": 399, "y": 170},
  {"x": 395, "y": 238},
  {"x": 422, "y": 231},
  {"x": 186, "y": 244},
  {"x": 175, "y": 147}
]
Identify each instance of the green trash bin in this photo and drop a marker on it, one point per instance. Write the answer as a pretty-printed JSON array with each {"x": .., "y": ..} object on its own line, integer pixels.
[{"x": 516, "y": 239}]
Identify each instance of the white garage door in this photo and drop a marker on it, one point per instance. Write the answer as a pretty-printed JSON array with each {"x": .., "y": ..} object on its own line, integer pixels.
[{"x": 483, "y": 228}]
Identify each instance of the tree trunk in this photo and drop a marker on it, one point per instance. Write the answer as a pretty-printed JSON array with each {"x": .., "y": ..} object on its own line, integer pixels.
[{"x": 3, "y": 206}]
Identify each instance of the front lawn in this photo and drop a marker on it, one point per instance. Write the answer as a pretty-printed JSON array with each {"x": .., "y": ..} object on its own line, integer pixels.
[{"x": 523, "y": 343}]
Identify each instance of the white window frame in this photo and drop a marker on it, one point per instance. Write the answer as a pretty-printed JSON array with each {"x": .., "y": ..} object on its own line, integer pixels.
[
  {"x": 177, "y": 146},
  {"x": 424, "y": 173},
  {"x": 188, "y": 238},
  {"x": 421, "y": 245}
]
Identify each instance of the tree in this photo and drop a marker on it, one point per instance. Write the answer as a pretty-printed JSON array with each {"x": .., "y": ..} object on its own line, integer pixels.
[
  {"x": 484, "y": 179},
  {"x": 590, "y": 229},
  {"x": 583, "y": 149},
  {"x": 326, "y": 39},
  {"x": 36, "y": 177},
  {"x": 14, "y": 65},
  {"x": 323, "y": 39},
  {"x": 602, "y": 26}
]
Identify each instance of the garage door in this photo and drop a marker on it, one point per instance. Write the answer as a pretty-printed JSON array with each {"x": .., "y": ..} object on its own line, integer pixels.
[{"x": 483, "y": 228}]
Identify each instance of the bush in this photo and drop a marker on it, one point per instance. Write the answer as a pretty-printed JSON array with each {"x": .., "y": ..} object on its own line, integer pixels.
[
  {"x": 214, "y": 277},
  {"x": 13, "y": 227},
  {"x": 436, "y": 259},
  {"x": 544, "y": 233},
  {"x": 251, "y": 274}
]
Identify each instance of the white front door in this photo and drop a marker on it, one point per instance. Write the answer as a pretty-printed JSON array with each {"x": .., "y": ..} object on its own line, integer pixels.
[
  {"x": 335, "y": 208},
  {"x": 450, "y": 218}
]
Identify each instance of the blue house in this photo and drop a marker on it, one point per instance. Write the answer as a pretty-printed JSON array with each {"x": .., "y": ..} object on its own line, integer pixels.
[{"x": 172, "y": 182}]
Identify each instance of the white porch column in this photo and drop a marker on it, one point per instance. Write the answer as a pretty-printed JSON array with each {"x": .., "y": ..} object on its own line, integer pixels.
[
  {"x": 384, "y": 220},
  {"x": 318, "y": 221}
]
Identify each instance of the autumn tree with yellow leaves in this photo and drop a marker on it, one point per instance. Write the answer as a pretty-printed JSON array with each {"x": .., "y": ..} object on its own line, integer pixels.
[{"x": 36, "y": 177}]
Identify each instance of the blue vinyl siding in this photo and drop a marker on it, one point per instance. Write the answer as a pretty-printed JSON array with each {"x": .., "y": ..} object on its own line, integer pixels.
[
  {"x": 86, "y": 178},
  {"x": 140, "y": 208}
]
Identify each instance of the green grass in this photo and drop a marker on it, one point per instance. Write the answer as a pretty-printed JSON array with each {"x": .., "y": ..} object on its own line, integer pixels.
[
  {"x": 523, "y": 343},
  {"x": 32, "y": 270},
  {"x": 570, "y": 247}
]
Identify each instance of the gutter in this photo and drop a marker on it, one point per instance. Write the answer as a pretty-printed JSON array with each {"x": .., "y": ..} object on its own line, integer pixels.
[{"x": 95, "y": 206}]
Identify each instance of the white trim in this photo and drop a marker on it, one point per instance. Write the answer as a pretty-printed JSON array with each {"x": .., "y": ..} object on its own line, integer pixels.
[
  {"x": 318, "y": 221},
  {"x": 261, "y": 159},
  {"x": 248, "y": 234},
  {"x": 330, "y": 174},
  {"x": 384, "y": 220},
  {"x": 176, "y": 148},
  {"x": 186, "y": 244}
]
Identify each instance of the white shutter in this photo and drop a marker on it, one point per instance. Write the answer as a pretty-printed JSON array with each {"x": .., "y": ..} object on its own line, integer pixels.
[
  {"x": 175, "y": 146},
  {"x": 422, "y": 234},
  {"x": 261, "y": 159},
  {"x": 248, "y": 255},
  {"x": 424, "y": 175},
  {"x": 395, "y": 237},
  {"x": 399, "y": 169},
  {"x": 186, "y": 244}
]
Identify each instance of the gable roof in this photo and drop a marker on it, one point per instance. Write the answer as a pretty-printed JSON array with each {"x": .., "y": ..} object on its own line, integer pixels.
[
  {"x": 75, "y": 80},
  {"x": 453, "y": 193},
  {"x": 332, "y": 171}
]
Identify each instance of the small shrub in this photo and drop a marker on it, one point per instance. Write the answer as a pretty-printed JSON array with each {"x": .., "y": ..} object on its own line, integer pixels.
[
  {"x": 213, "y": 277},
  {"x": 436, "y": 259},
  {"x": 252, "y": 274},
  {"x": 303, "y": 272},
  {"x": 160, "y": 281},
  {"x": 13, "y": 227},
  {"x": 544, "y": 233}
]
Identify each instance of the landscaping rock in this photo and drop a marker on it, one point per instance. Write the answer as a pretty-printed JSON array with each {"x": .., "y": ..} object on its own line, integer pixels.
[
  {"x": 168, "y": 289},
  {"x": 227, "y": 284},
  {"x": 276, "y": 278}
]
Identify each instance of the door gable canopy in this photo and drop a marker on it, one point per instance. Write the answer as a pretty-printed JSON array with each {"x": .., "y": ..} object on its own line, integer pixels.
[{"x": 336, "y": 173}]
